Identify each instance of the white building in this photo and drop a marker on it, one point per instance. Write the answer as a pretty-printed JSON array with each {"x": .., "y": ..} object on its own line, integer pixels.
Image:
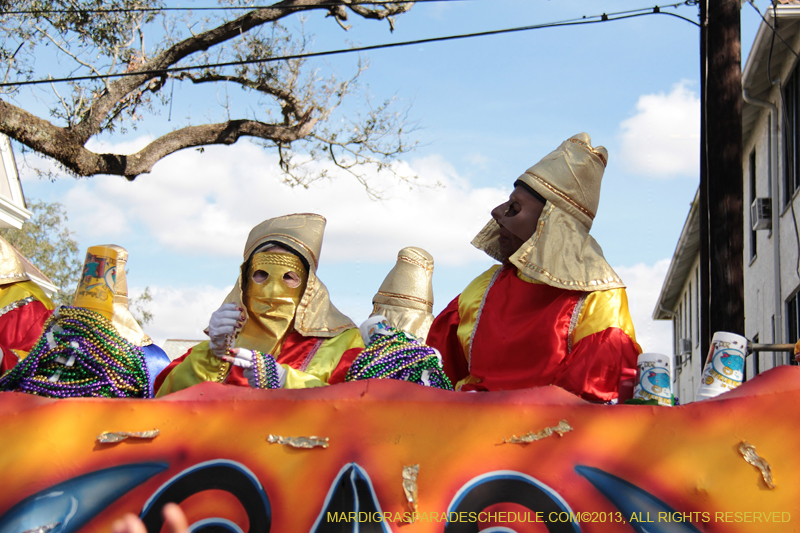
[
  {"x": 12, "y": 203},
  {"x": 771, "y": 168},
  {"x": 13, "y": 211}
]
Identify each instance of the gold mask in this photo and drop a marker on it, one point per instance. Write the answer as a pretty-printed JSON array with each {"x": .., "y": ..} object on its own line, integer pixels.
[{"x": 271, "y": 304}]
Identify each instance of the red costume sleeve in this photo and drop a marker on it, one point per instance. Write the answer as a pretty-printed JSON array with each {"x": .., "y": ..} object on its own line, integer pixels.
[
  {"x": 22, "y": 327},
  {"x": 599, "y": 364},
  {"x": 340, "y": 372},
  {"x": 164, "y": 373},
  {"x": 8, "y": 360},
  {"x": 443, "y": 336}
]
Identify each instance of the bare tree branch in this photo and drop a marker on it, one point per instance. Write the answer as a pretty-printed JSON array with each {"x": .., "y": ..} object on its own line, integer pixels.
[{"x": 307, "y": 101}]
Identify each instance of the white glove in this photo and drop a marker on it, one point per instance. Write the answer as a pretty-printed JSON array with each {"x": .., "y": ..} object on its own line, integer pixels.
[
  {"x": 222, "y": 326},
  {"x": 242, "y": 357}
]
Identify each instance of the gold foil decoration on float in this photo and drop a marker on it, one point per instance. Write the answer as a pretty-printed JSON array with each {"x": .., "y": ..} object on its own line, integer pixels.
[
  {"x": 96, "y": 288},
  {"x": 410, "y": 488},
  {"x": 110, "y": 437},
  {"x": 561, "y": 428},
  {"x": 748, "y": 451},
  {"x": 43, "y": 529},
  {"x": 299, "y": 442}
]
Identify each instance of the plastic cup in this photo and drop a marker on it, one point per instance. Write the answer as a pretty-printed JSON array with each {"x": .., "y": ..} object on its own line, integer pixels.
[
  {"x": 724, "y": 368},
  {"x": 96, "y": 288},
  {"x": 374, "y": 327},
  {"x": 653, "y": 378}
]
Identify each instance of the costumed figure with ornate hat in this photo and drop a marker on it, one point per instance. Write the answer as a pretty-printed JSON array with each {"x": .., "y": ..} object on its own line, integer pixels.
[
  {"x": 395, "y": 333},
  {"x": 95, "y": 347},
  {"x": 277, "y": 328},
  {"x": 554, "y": 312},
  {"x": 24, "y": 308}
]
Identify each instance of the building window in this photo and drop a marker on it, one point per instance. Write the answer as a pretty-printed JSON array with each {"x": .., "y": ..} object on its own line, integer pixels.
[
  {"x": 697, "y": 304},
  {"x": 689, "y": 322},
  {"x": 753, "y": 195},
  {"x": 791, "y": 180}
]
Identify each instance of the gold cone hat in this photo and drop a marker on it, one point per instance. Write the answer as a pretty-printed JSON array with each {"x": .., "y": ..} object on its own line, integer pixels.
[
  {"x": 316, "y": 316},
  {"x": 124, "y": 322},
  {"x": 11, "y": 268},
  {"x": 561, "y": 253},
  {"x": 406, "y": 295}
]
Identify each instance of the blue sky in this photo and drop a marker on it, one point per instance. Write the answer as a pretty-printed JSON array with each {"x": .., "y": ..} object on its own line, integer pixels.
[{"x": 488, "y": 108}]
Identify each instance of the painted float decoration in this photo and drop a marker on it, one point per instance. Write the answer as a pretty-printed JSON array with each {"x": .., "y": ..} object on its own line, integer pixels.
[{"x": 525, "y": 461}]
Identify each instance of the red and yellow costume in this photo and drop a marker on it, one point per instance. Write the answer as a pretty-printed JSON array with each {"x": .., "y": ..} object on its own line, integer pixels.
[
  {"x": 554, "y": 313},
  {"x": 313, "y": 342},
  {"x": 505, "y": 332},
  {"x": 24, "y": 308}
]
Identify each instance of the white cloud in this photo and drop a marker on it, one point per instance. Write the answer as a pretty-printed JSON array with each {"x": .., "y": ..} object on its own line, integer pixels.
[
  {"x": 643, "y": 287},
  {"x": 663, "y": 138},
  {"x": 206, "y": 203},
  {"x": 181, "y": 313}
]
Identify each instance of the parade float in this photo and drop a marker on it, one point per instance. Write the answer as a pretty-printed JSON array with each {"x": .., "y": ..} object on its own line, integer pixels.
[{"x": 384, "y": 455}]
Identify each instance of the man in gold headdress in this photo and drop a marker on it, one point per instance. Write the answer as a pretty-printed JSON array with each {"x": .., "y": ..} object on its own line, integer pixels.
[
  {"x": 278, "y": 327},
  {"x": 405, "y": 298},
  {"x": 24, "y": 308},
  {"x": 554, "y": 312}
]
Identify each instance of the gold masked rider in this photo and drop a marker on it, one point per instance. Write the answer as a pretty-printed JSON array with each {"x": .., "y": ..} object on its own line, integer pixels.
[{"x": 277, "y": 327}]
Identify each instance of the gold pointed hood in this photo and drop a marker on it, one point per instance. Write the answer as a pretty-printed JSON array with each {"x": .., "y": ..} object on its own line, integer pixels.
[
  {"x": 561, "y": 253},
  {"x": 11, "y": 268},
  {"x": 406, "y": 295},
  {"x": 316, "y": 316}
]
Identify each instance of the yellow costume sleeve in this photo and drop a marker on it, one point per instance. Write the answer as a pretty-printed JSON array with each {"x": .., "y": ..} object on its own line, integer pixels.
[
  {"x": 603, "y": 310},
  {"x": 21, "y": 290},
  {"x": 200, "y": 365},
  {"x": 469, "y": 305},
  {"x": 324, "y": 362}
]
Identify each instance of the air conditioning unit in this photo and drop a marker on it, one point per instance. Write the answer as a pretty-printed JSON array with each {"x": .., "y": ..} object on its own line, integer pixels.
[{"x": 761, "y": 213}]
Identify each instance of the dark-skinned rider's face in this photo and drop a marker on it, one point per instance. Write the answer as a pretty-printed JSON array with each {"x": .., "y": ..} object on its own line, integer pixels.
[{"x": 517, "y": 218}]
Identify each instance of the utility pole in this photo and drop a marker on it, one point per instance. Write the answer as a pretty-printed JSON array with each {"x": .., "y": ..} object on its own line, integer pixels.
[{"x": 721, "y": 216}]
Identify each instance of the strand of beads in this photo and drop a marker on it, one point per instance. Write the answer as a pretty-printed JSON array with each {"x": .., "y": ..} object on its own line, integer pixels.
[
  {"x": 398, "y": 355},
  {"x": 266, "y": 371},
  {"x": 80, "y": 354}
]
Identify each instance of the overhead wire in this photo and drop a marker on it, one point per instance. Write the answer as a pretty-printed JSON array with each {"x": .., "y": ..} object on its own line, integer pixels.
[
  {"x": 593, "y": 19},
  {"x": 773, "y": 29}
]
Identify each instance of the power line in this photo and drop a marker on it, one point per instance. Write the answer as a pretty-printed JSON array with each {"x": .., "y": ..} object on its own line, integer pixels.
[
  {"x": 774, "y": 30},
  {"x": 593, "y": 19},
  {"x": 214, "y": 8}
]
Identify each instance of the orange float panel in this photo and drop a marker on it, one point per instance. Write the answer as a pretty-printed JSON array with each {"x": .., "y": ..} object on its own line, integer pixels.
[{"x": 612, "y": 468}]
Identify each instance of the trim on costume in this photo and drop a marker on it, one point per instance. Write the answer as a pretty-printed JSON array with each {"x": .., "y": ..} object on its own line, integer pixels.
[
  {"x": 15, "y": 305},
  {"x": 591, "y": 149},
  {"x": 561, "y": 195},
  {"x": 427, "y": 268},
  {"x": 300, "y": 246},
  {"x": 423, "y": 301},
  {"x": 592, "y": 283},
  {"x": 279, "y": 259},
  {"x": 478, "y": 314},
  {"x": 311, "y": 354},
  {"x": 576, "y": 311}
]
